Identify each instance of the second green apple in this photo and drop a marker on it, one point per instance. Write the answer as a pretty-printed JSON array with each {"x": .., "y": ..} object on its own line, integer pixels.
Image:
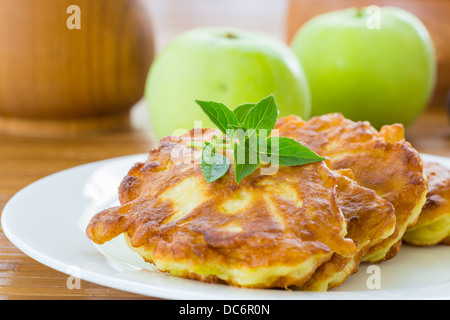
[{"x": 377, "y": 65}]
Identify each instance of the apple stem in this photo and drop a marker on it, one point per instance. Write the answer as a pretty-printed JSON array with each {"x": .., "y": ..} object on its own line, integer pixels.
[
  {"x": 230, "y": 35},
  {"x": 360, "y": 12}
]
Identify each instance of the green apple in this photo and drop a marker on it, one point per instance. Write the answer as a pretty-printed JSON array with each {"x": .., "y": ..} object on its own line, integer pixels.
[
  {"x": 226, "y": 65},
  {"x": 375, "y": 64}
]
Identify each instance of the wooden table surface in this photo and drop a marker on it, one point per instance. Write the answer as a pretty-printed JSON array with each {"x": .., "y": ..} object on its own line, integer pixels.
[{"x": 25, "y": 160}]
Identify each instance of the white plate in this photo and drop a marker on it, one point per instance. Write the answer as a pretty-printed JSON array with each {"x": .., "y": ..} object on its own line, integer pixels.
[{"x": 47, "y": 220}]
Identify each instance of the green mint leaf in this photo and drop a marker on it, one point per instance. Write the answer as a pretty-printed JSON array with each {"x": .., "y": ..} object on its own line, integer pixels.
[
  {"x": 262, "y": 116},
  {"x": 213, "y": 165},
  {"x": 219, "y": 114},
  {"x": 241, "y": 111},
  {"x": 288, "y": 152},
  {"x": 246, "y": 158}
]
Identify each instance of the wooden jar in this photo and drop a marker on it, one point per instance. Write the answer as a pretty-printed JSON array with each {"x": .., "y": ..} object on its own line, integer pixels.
[
  {"x": 433, "y": 13},
  {"x": 59, "y": 78}
]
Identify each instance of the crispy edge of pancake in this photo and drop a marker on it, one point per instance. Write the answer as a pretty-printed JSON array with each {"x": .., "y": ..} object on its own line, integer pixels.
[
  {"x": 379, "y": 220},
  {"x": 274, "y": 276},
  {"x": 433, "y": 225}
]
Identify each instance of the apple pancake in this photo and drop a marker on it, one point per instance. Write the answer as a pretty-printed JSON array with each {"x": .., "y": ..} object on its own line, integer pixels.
[
  {"x": 433, "y": 225},
  {"x": 380, "y": 160},
  {"x": 370, "y": 219},
  {"x": 267, "y": 231}
]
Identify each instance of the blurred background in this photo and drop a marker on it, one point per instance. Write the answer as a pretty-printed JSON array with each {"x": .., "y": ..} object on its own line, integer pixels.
[
  {"x": 57, "y": 81},
  {"x": 71, "y": 96}
]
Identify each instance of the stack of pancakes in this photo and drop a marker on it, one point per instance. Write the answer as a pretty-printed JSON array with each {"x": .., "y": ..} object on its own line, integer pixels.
[{"x": 305, "y": 227}]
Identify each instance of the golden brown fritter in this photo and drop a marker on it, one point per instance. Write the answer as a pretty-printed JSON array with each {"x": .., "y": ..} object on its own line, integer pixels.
[
  {"x": 268, "y": 231},
  {"x": 370, "y": 219},
  {"x": 380, "y": 160},
  {"x": 433, "y": 225}
]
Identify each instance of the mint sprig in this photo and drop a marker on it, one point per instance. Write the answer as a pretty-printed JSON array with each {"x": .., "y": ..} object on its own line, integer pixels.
[{"x": 248, "y": 128}]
